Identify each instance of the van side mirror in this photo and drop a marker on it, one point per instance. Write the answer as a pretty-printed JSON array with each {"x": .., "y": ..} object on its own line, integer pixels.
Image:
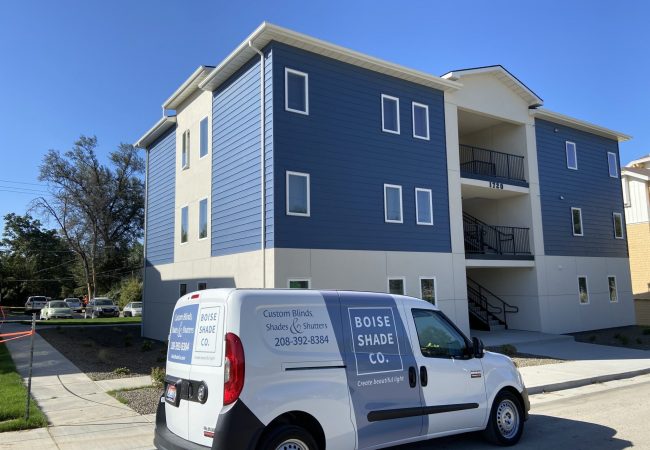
[{"x": 478, "y": 347}]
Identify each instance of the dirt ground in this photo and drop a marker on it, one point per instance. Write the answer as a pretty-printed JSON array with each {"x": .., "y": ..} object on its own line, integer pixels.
[
  {"x": 106, "y": 352},
  {"x": 635, "y": 336}
]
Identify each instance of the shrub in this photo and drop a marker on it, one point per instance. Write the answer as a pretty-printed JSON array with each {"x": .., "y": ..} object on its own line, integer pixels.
[
  {"x": 122, "y": 371},
  {"x": 146, "y": 346},
  {"x": 157, "y": 376},
  {"x": 508, "y": 349},
  {"x": 129, "y": 290}
]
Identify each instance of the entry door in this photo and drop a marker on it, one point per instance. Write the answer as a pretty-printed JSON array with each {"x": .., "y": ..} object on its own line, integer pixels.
[
  {"x": 452, "y": 382},
  {"x": 381, "y": 370}
]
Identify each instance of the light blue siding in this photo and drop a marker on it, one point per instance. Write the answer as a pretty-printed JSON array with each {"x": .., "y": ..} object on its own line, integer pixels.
[
  {"x": 236, "y": 161},
  {"x": 349, "y": 159},
  {"x": 589, "y": 188},
  {"x": 161, "y": 185}
]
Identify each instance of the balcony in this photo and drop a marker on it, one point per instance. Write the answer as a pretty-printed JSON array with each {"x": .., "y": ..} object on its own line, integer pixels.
[
  {"x": 483, "y": 241},
  {"x": 491, "y": 165}
]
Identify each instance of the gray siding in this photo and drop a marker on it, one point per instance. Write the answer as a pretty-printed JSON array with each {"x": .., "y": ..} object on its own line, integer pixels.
[
  {"x": 161, "y": 185},
  {"x": 341, "y": 145},
  {"x": 236, "y": 161},
  {"x": 590, "y": 188}
]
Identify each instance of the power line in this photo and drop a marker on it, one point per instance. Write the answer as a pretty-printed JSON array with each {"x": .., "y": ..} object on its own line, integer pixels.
[
  {"x": 23, "y": 192},
  {"x": 22, "y": 188},
  {"x": 24, "y": 182}
]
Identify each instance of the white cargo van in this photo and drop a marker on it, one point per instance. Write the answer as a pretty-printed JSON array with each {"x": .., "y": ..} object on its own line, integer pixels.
[{"x": 316, "y": 370}]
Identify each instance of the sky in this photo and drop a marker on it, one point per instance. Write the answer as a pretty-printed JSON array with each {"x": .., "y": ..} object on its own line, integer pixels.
[{"x": 104, "y": 68}]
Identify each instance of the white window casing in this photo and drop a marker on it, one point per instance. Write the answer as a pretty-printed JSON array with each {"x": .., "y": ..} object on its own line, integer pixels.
[
  {"x": 414, "y": 106},
  {"x": 612, "y": 164},
  {"x": 618, "y": 220},
  {"x": 307, "y": 211},
  {"x": 403, "y": 282},
  {"x": 383, "y": 114},
  {"x": 387, "y": 219},
  {"x": 583, "y": 299},
  {"x": 299, "y": 280},
  {"x": 573, "y": 223},
  {"x": 305, "y": 76},
  {"x": 571, "y": 153},
  {"x": 428, "y": 204}
]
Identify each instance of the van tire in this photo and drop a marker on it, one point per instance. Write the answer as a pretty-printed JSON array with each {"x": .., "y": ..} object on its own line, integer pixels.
[
  {"x": 293, "y": 438},
  {"x": 506, "y": 423}
]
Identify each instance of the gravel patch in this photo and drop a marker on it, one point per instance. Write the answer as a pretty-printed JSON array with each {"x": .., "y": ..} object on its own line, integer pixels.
[
  {"x": 526, "y": 360},
  {"x": 99, "y": 351},
  {"x": 143, "y": 400}
]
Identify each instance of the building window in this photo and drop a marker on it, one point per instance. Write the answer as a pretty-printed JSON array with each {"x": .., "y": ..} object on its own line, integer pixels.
[
  {"x": 298, "y": 203},
  {"x": 420, "y": 121},
  {"x": 203, "y": 218},
  {"x": 182, "y": 289},
  {"x": 298, "y": 283},
  {"x": 423, "y": 206},
  {"x": 613, "y": 165},
  {"x": 396, "y": 286},
  {"x": 203, "y": 149},
  {"x": 618, "y": 225},
  {"x": 202, "y": 286},
  {"x": 392, "y": 203},
  {"x": 184, "y": 224},
  {"x": 296, "y": 88},
  {"x": 583, "y": 291},
  {"x": 571, "y": 155},
  {"x": 626, "y": 192},
  {"x": 389, "y": 114},
  {"x": 185, "y": 152},
  {"x": 613, "y": 291},
  {"x": 576, "y": 218},
  {"x": 428, "y": 289}
]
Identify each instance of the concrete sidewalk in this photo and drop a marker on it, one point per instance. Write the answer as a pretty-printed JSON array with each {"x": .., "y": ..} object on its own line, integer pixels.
[
  {"x": 80, "y": 413},
  {"x": 586, "y": 363}
]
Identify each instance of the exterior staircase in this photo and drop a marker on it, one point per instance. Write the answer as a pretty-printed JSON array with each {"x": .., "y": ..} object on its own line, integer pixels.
[{"x": 487, "y": 311}]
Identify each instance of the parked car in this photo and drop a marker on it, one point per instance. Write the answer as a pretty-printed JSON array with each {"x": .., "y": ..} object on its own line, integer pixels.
[
  {"x": 34, "y": 304},
  {"x": 74, "y": 304},
  {"x": 56, "y": 309},
  {"x": 101, "y": 307},
  {"x": 308, "y": 370},
  {"x": 132, "y": 309}
]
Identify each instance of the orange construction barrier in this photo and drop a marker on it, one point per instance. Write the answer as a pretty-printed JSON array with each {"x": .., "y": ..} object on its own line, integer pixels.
[{"x": 16, "y": 335}]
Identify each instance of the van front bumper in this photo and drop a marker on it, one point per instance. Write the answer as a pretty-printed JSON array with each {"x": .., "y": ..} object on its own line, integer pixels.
[{"x": 237, "y": 429}]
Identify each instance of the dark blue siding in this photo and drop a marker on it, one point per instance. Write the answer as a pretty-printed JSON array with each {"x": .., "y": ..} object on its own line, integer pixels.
[
  {"x": 590, "y": 188},
  {"x": 161, "y": 185},
  {"x": 236, "y": 161},
  {"x": 341, "y": 145}
]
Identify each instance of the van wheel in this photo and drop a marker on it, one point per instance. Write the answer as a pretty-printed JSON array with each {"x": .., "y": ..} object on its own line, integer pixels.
[
  {"x": 289, "y": 437},
  {"x": 506, "y": 422}
]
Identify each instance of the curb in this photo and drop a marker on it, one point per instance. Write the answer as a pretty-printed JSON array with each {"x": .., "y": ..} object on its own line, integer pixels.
[{"x": 585, "y": 381}]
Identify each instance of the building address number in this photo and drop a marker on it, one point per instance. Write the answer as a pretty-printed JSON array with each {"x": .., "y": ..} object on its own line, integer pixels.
[{"x": 496, "y": 185}]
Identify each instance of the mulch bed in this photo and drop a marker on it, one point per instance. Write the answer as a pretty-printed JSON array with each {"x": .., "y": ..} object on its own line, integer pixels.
[{"x": 99, "y": 350}]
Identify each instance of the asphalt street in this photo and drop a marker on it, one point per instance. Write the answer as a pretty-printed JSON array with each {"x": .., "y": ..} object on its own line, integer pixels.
[{"x": 594, "y": 418}]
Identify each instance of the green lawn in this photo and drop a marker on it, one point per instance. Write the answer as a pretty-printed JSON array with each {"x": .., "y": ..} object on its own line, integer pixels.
[
  {"x": 98, "y": 321},
  {"x": 13, "y": 395}
]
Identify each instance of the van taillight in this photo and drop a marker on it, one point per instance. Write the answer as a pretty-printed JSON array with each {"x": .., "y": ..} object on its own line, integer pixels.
[{"x": 233, "y": 374}]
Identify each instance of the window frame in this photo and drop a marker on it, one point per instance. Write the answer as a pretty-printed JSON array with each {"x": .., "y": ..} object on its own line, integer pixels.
[
  {"x": 426, "y": 114},
  {"x": 575, "y": 154},
  {"x": 609, "y": 167},
  {"x": 180, "y": 289},
  {"x": 417, "y": 206},
  {"x": 199, "y": 283},
  {"x": 383, "y": 122},
  {"x": 586, "y": 289},
  {"x": 290, "y": 173},
  {"x": 287, "y": 71},
  {"x": 609, "y": 292},
  {"x": 573, "y": 228},
  {"x": 620, "y": 215},
  {"x": 207, "y": 219},
  {"x": 185, "y": 150},
  {"x": 401, "y": 204},
  {"x": 290, "y": 280},
  {"x": 435, "y": 288},
  {"x": 207, "y": 137},
  {"x": 186, "y": 208},
  {"x": 392, "y": 278}
]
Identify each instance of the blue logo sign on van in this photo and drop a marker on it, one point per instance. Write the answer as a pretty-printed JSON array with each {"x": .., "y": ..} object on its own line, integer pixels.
[
  {"x": 181, "y": 334},
  {"x": 374, "y": 340}
]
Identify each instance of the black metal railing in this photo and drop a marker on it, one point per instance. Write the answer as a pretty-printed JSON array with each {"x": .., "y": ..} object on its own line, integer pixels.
[
  {"x": 490, "y": 163},
  {"x": 485, "y": 304},
  {"x": 481, "y": 238}
]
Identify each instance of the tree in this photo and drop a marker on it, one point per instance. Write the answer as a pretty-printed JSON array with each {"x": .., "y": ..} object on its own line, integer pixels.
[
  {"x": 99, "y": 208},
  {"x": 33, "y": 261}
]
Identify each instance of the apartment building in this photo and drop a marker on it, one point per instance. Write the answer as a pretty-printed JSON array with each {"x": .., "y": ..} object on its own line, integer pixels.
[{"x": 298, "y": 163}]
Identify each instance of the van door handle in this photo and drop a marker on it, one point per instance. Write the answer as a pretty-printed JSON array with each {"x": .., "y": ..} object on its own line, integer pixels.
[
  {"x": 412, "y": 377},
  {"x": 424, "y": 377}
]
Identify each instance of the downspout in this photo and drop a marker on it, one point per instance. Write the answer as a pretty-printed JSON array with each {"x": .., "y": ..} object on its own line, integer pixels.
[
  {"x": 144, "y": 242},
  {"x": 262, "y": 164}
]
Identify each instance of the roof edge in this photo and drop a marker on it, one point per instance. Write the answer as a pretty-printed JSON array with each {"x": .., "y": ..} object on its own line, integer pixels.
[
  {"x": 191, "y": 84},
  {"x": 562, "y": 119},
  {"x": 164, "y": 124}
]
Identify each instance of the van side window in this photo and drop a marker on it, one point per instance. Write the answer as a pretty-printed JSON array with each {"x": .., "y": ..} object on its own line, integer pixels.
[{"x": 438, "y": 338}]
